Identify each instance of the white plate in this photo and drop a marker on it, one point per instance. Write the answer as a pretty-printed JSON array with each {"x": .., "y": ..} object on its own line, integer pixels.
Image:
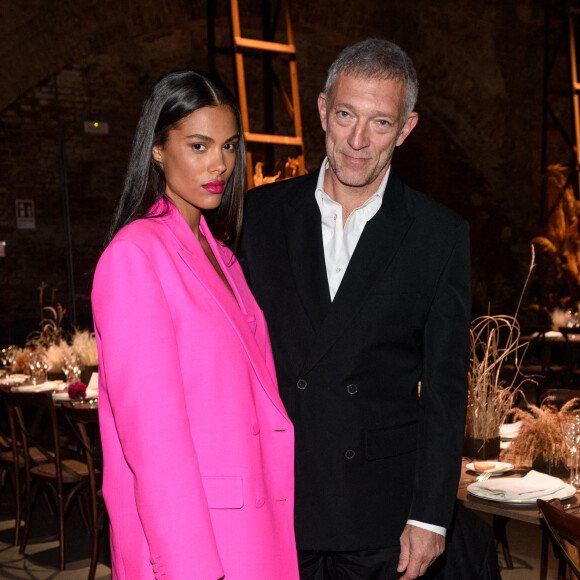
[
  {"x": 499, "y": 468},
  {"x": 566, "y": 493},
  {"x": 13, "y": 380}
]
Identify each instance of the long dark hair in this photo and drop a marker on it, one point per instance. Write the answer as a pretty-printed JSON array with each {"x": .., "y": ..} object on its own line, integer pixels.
[{"x": 175, "y": 96}]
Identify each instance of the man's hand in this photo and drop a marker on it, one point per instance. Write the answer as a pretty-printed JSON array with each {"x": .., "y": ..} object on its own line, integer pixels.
[{"x": 419, "y": 549}]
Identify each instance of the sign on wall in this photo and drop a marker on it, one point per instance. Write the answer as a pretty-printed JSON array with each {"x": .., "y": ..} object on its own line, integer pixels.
[{"x": 25, "y": 214}]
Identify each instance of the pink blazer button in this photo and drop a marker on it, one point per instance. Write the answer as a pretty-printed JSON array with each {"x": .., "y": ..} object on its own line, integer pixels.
[
  {"x": 260, "y": 502},
  {"x": 255, "y": 429}
]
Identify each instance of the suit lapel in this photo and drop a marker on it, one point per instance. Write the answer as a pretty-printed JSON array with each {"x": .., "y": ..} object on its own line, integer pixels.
[
  {"x": 377, "y": 246},
  {"x": 306, "y": 253},
  {"x": 240, "y": 314}
]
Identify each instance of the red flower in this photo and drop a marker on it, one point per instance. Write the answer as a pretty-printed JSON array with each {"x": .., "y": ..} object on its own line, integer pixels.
[{"x": 77, "y": 390}]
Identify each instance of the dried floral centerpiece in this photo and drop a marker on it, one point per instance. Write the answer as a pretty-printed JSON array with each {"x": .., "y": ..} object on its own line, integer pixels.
[
  {"x": 61, "y": 354},
  {"x": 493, "y": 388},
  {"x": 495, "y": 378},
  {"x": 540, "y": 438}
]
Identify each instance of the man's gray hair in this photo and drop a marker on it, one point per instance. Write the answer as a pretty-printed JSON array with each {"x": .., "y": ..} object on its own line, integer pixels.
[{"x": 377, "y": 58}]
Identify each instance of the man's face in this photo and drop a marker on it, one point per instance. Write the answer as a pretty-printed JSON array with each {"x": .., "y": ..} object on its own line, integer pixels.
[{"x": 364, "y": 122}]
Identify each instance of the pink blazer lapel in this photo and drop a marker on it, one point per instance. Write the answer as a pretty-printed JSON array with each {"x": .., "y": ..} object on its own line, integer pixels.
[{"x": 243, "y": 312}]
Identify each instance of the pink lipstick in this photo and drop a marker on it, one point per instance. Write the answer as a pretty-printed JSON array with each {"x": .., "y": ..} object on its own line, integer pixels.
[{"x": 214, "y": 186}]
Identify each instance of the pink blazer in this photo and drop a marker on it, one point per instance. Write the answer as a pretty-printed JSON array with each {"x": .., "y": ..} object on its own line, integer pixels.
[{"x": 198, "y": 449}]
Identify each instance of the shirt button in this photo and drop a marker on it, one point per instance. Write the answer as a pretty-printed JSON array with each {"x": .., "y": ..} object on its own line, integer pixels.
[
  {"x": 335, "y": 217},
  {"x": 351, "y": 389},
  {"x": 301, "y": 384},
  {"x": 349, "y": 454},
  {"x": 338, "y": 270}
]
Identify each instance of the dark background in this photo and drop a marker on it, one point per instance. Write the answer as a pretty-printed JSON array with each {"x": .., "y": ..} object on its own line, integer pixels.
[{"x": 477, "y": 147}]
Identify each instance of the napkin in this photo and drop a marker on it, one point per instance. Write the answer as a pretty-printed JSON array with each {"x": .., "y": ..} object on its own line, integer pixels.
[
  {"x": 532, "y": 485},
  {"x": 509, "y": 430},
  {"x": 48, "y": 386}
]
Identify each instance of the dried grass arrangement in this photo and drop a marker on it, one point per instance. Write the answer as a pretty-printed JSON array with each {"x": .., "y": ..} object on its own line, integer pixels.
[
  {"x": 56, "y": 356},
  {"x": 53, "y": 345},
  {"x": 84, "y": 344},
  {"x": 495, "y": 342},
  {"x": 540, "y": 435},
  {"x": 495, "y": 370},
  {"x": 20, "y": 360},
  {"x": 559, "y": 273},
  {"x": 51, "y": 331}
]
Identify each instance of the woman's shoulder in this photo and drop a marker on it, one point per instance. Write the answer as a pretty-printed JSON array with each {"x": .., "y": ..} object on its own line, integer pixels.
[
  {"x": 140, "y": 240},
  {"x": 144, "y": 231}
]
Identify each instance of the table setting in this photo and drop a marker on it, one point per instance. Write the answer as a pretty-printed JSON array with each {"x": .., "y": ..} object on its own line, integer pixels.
[
  {"x": 61, "y": 390},
  {"x": 53, "y": 360},
  {"x": 522, "y": 490}
]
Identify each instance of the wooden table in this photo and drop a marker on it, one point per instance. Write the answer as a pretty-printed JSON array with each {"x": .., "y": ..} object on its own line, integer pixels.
[{"x": 504, "y": 512}]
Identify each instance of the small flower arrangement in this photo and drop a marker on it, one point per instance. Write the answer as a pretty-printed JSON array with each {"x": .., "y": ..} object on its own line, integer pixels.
[
  {"x": 540, "y": 435},
  {"x": 77, "y": 390}
]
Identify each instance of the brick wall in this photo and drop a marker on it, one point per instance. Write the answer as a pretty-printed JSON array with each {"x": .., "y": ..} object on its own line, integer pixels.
[{"x": 476, "y": 148}]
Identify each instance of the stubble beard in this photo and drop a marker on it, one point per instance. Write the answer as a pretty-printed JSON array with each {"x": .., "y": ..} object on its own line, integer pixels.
[{"x": 364, "y": 177}]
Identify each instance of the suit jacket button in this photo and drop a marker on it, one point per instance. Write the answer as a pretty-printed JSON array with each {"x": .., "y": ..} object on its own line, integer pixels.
[
  {"x": 351, "y": 389},
  {"x": 349, "y": 454},
  {"x": 260, "y": 501},
  {"x": 301, "y": 384},
  {"x": 255, "y": 429}
]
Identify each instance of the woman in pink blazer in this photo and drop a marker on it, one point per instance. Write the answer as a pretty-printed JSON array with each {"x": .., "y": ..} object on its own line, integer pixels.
[{"x": 198, "y": 449}]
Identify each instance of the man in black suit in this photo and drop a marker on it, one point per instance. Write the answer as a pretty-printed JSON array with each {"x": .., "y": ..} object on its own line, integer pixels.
[{"x": 365, "y": 284}]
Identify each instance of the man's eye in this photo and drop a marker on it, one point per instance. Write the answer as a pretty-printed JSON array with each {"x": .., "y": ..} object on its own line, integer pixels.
[
  {"x": 343, "y": 114},
  {"x": 383, "y": 123}
]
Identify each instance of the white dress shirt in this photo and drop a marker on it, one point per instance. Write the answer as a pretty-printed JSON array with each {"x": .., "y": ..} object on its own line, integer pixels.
[{"x": 340, "y": 242}]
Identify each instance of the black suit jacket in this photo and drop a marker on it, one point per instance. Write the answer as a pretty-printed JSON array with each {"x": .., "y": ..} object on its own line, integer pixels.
[{"x": 370, "y": 452}]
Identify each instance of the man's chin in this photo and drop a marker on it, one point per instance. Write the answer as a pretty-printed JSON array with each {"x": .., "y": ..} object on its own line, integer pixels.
[{"x": 352, "y": 180}]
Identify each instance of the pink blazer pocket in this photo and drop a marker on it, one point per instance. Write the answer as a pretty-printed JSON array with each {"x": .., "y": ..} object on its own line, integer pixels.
[{"x": 224, "y": 492}]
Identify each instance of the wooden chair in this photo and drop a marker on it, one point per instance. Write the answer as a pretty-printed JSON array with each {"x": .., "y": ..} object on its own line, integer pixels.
[
  {"x": 12, "y": 462},
  {"x": 564, "y": 529},
  {"x": 85, "y": 422},
  {"x": 64, "y": 478}
]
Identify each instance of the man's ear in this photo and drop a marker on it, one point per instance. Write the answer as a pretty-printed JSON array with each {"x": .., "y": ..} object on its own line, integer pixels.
[
  {"x": 322, "y": 109},
  {"x": 409, "y": 125}
]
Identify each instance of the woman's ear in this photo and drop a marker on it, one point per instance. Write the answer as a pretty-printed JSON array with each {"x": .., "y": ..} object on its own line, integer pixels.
[{"x": 157, "y": 154}]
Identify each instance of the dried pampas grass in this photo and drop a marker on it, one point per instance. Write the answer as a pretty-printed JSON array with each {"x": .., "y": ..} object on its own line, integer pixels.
[
  {"x": 56, "y": 356},
  {"x": 20, "y": 360},
  {"x": 51, "y": 331},
  {"x": 84, "y": 345},
  {"x": 540, "y": 434},
  {"x": 495, "y": 341},
  {"x": 493, "y": 387}
]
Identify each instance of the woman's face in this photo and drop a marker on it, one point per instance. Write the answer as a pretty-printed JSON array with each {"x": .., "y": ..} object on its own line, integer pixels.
[{"x": 198, "y": 159}]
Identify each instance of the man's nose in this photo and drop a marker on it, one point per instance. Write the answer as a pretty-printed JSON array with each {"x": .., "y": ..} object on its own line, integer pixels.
[{"x": 358, "y": 138}]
